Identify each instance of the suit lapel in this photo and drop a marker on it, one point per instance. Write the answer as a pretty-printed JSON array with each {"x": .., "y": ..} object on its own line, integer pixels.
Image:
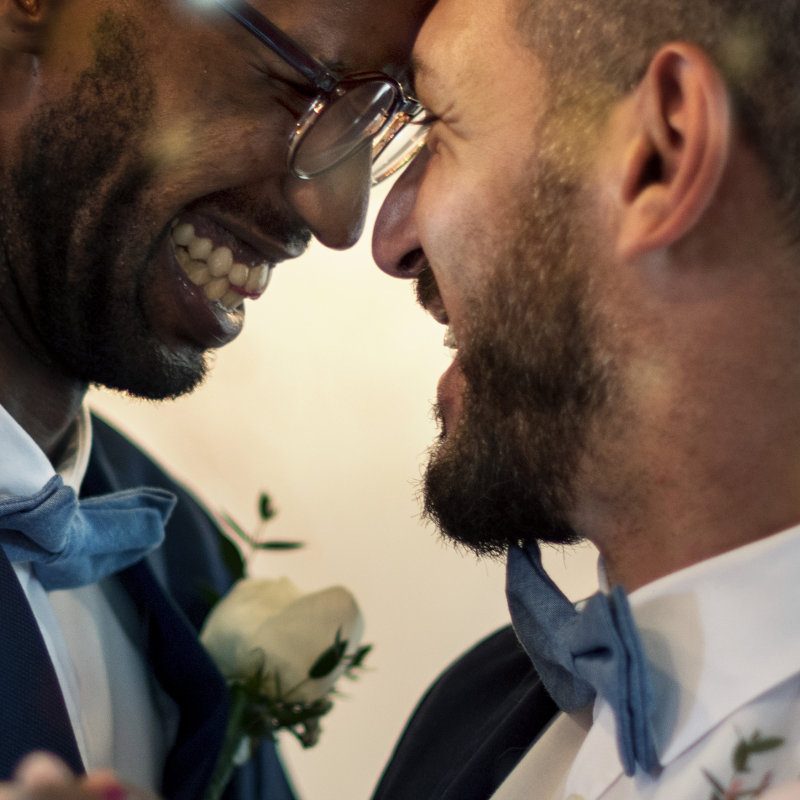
[
  {"x": 33, "y": 715},
  {"x": 179, "y": 662}
]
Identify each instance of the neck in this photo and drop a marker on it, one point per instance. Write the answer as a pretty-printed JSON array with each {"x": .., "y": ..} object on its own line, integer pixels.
[
  {"x": 704, "y": 454},
  {"x": 690, "y": 485},
  {"x": 43, "y": 401}
]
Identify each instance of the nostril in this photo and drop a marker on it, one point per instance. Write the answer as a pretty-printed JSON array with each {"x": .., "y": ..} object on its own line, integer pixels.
[{"x": 412, "y": 263}]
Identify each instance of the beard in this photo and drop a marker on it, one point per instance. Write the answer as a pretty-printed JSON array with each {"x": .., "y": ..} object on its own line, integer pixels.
[
  {"x": 77, "y": 247},
  {"x": 505, "y": 472}
]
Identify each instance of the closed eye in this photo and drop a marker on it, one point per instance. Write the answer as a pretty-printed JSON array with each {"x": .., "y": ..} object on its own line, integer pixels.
[{"x": 425, "y": 119}]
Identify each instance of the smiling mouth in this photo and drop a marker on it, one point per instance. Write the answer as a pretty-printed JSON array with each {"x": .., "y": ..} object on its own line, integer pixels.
[{"x": 224, "y": 268}]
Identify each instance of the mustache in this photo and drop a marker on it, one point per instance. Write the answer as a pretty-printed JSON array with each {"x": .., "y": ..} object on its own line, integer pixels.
[
  {"x": 282, "y": 224},
  {"x": 426, "y": 288}
]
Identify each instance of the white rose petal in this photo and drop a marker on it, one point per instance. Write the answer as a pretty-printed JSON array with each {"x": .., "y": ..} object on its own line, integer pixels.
[{"x": 265, "y": 622}]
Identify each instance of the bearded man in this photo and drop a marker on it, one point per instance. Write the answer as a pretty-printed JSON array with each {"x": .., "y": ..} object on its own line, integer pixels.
[
  {"x": 157, "y": 159},
  {"x": 607, "y": 219}
]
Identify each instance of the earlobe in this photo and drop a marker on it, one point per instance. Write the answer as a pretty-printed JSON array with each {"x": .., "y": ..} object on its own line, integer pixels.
[
  {"x": 21, "y": 24},
  {"x": 31, "y": 7},
  {"x": 679, "y": 150}
]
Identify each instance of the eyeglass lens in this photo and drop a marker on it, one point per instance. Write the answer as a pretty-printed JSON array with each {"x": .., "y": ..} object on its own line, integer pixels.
[
  {"x": 394, "y": 150},
  {"x": 346, "y": 123}
]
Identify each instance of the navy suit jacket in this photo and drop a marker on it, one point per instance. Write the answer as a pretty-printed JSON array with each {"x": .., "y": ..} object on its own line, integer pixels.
[
  {"x": 170, "y": 590},
  {"x": 472, "y": 726}
]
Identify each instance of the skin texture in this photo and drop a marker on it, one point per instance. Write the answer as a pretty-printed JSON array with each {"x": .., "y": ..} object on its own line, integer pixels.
[
  {"x": 623, "y": 290},
  {"x": 118, "y": 118}
]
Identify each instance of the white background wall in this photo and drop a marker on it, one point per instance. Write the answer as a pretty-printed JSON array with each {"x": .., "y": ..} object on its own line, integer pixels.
[{"x": 324, "y": 401}]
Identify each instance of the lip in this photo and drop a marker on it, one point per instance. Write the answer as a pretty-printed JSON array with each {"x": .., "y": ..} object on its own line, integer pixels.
[
  {"x": 270, "y": 248},
  {"x": 248, "y": 247},
  {"x": 183, "y": 315},
  {"x": 450, "y": 396},
  {"x": 450, "y": 388},
  {"x": 179, "y": 312}
]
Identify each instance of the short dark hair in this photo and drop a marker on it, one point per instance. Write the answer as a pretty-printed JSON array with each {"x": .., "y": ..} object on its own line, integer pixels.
[{"x": 598, "y": 50}]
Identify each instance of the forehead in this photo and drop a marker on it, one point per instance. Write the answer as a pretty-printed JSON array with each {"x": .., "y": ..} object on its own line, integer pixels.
[
  {"x": 353, "y": 35},
  {"x": 472, "y": 48}
]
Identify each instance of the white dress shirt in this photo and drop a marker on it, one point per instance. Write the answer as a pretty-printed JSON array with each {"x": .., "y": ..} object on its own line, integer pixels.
[
  {"x": 725, "y": 634},
  {"x": 119, "y": 717}
]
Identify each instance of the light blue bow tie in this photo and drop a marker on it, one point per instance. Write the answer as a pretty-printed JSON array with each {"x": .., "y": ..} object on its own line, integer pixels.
[
  {"x": 581, "y": 654},
  {"x": 74, "y": 543}
]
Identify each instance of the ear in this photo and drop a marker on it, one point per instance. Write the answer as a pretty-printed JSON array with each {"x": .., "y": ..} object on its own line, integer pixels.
[
  {"x": 681, "y": 135},
  {"x": 22, "y": 24}
]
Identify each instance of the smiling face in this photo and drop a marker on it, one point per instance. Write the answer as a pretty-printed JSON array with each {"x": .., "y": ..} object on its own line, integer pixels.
[
  {"x": 491, "y": 216},
  {"x": 145, "y": 193}
]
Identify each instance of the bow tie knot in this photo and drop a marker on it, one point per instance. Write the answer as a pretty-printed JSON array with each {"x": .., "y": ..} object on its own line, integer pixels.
[
  {"x": 73, "y": 543},
  {"x": 579, "y": 654}
]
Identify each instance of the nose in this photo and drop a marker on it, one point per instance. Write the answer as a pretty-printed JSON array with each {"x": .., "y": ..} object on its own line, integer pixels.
[
  {"x": 395, "y": 243},
  {"x": 334, "y": 204}
]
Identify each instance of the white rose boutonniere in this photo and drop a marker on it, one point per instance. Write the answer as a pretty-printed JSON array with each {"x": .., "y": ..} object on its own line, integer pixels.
[{"x": 281, "y": 652}]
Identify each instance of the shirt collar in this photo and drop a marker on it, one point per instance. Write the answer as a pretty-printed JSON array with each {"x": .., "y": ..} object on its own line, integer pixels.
[
  {"x": 720, "y": 634},
  {"x": 24, "y": 468},
  {"x": 75, "y": 460}
]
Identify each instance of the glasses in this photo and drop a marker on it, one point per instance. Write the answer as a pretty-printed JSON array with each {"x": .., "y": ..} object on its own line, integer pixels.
[{"x": 347, "y": 114}]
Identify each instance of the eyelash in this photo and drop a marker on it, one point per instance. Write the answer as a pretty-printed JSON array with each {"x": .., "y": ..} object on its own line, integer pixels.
[{"x": 427, "y": 119}]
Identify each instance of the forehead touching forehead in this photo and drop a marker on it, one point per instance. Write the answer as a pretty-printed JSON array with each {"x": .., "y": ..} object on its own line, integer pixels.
[{"x": 352, "y": 35}]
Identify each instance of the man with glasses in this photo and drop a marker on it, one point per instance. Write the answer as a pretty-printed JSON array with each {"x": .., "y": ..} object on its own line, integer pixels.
[{"x": 158, "y": 158}]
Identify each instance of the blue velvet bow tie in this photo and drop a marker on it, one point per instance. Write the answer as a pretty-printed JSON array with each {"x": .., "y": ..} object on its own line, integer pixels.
[
  {"x": 581, "y": 654},
  {"x": 74, "y": 543}
]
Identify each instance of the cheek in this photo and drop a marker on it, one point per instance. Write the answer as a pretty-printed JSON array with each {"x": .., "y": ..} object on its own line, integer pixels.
[
  {"x": 462, "y": 189},
  {"x": 215, "y": 113},
  {"x": 458, "y": 221},
  {"x": 199, "y": 144}
]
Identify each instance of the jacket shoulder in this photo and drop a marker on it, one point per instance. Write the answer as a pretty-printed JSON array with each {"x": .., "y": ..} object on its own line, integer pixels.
[{"x": 471, "y": 727}]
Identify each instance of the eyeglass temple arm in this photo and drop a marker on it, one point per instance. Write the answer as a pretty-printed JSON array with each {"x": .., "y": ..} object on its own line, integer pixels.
[{"x": 282, "y": 44}]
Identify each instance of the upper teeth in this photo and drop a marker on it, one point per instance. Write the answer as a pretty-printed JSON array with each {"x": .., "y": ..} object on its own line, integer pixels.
[
  {"x": 213, "y": 268},
  {"x": 450, "y": 339}
]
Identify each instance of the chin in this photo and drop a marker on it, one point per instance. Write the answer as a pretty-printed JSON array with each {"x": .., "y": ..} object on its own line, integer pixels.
[{"x": 165, "y": 376}]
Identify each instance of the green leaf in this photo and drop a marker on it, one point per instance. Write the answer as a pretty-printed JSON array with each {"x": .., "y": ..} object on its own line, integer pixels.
[
  {"x": 231, "y": 555},
  {"x": 265, "y": 509},
  {"x": 329, "y": 660},
  {"x": 236, "y": 528},
  {"x": 755, "y": 745},
  {"x": 759, "y": 745},
  {"x": 741, "y": 755},
  {"x": 357, "y": 660},
  {"x": 277, "y": 544}
]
